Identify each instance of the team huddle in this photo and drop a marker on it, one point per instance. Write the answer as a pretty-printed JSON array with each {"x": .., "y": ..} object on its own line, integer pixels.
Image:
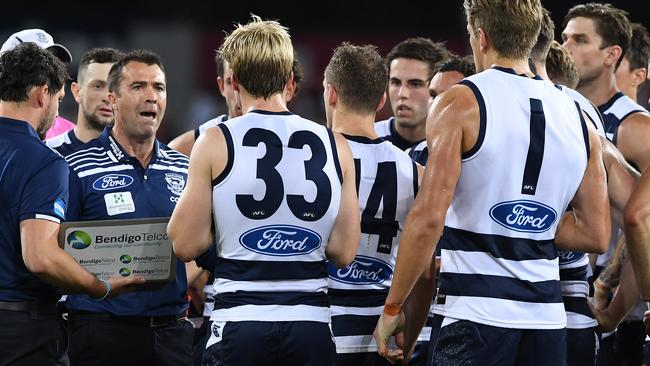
[{"x": 501, "y": 216}]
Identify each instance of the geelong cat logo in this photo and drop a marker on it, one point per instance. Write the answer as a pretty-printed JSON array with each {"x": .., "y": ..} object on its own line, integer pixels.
[
  {"x": 363, "y": 271},
  {"x": 112, "y": 181},
  {"x": 281, "y": 240},
  {"x": 524, "y": 216}
]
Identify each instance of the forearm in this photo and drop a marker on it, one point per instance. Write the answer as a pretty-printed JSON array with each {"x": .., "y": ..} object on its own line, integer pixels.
[
  {"x": 625, "y": 298},
  {"x": 415, "y": 253},
  {"x": 638, "y": 243},
  {"x": 416, "y": 309},
  {"x": 61, "y": 270},
  {"x": 611, "y": 274},
  {"x": 578, "y": 235}
]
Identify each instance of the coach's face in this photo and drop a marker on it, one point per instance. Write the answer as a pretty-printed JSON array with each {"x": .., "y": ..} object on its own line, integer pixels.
[
  {"x": 50, "y": 111},
  {"x": 584, "y": 45},
  {"x": 141, "y": 99}
]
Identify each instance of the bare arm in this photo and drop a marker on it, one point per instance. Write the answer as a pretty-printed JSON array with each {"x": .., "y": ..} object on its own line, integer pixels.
[
  {"x": 587, "y": 227},
  {"x": 452, "y": 127},
  {"x": 624, "y": 300},
  {"x": 346, "y": 233},
  {"x": 637, "y": 231},
  {"x": 43, "y": 257},
  {"x": 190, "y": 226},
  {"x": 632, "y": 140},
  {"x": 183, "y": 143},
  {"x": 610, "y": 275},
  {"x": 621, "y": 179}
]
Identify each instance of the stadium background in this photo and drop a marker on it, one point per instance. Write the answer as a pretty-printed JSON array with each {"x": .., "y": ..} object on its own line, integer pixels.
[{"x": 186, "y": 34}]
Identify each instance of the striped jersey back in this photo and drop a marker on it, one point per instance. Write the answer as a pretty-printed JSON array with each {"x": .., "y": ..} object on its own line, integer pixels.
[{"x": 499, "y": 262}]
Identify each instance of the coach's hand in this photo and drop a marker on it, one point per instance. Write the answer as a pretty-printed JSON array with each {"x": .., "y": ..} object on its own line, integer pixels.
[
  {"x": 120, "y": 285},
  {"x": 387, "y": 326}
]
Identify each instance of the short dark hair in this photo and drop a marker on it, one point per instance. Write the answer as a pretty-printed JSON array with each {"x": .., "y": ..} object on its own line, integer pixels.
[
  {"x": 219, "y": 60},
  {"x": 560, "y": 66},
  {"x": 359, "y": 75},
  {"x": 544, "y": 39},
  {"x": 298, "y": 74},
  {"x": 464, "y": 65},
  {"x": 28, "y": 66},
  {"x": 421, "y": 49},
  {"x": 144, "y": 56},
  {"x": 100, "y": 56},
  {"x": 612, "y": 24},
  {"x": 639, "y": 53}
]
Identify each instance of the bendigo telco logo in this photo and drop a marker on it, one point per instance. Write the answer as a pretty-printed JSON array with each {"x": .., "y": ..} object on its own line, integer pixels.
[{"x": 79, "y": 239}]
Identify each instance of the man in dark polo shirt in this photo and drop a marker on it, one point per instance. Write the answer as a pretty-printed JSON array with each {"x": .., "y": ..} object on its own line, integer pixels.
[
  {"x": 34, "y": 195},
  {"x": 147, "y": 178}
]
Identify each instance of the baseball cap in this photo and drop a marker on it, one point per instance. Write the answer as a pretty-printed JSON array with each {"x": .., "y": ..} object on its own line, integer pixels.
[{"x": 41, "y": 38}]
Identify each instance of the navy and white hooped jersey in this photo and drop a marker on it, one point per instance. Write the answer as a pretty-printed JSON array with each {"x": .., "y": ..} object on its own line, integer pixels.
[
  {"x": 386, "y": 130},
  {"x": 499, "y": 262},
  {"x": 590, "y": 110},
  {"x": 106, "y": 183},
  {"x": 65, "y": 143},
  {"x": 615, "y": 111},
  {"x": 419, "y": 153},
  {"x": 274, "y": 207},
  {"x": 387, "y": 181},
  {"x": 211, "y": 123},
  {"x": 575, "y": 272}
]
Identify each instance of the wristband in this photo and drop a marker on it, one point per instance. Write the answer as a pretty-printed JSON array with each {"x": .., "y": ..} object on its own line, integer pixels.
[
  {"x": 392, "y": 309},
  {"x": 108, "y": 289}
]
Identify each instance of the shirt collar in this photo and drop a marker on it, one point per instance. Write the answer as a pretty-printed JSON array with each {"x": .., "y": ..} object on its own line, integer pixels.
[
  {"x": 118, "y": 152},
  {"x": 14, "y": 125}
]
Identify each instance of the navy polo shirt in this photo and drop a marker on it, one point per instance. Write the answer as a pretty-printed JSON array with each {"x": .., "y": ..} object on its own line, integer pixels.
[
  {"x": 65, "y": 143},
  {"x": 33, "y": 185},
  {"x": 107, "y": 184}
]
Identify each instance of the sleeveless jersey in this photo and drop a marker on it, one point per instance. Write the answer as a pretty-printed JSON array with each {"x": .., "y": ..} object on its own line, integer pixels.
[
  {"x": 615, "y": 111},
  {"x": 274, "y": 207},
  {"x": 499, "y": 261},
  {"x": 387, "y": 181}
]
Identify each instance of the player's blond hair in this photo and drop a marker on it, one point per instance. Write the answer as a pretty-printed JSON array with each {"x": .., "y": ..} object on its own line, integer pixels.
[
  {"x": 512, "y": 26},
  {"x": 260, "y": 55},
  {"x": 560, "y": 67}
]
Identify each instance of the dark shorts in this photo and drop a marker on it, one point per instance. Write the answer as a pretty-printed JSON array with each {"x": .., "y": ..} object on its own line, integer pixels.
[
  {"x": 467, "y": 343},
  {"x": 252, "y": 343},
  {"x": 102, "y": 342},
  {"x": 581, "y": 347},
  {"x": 30, "y": 339}
]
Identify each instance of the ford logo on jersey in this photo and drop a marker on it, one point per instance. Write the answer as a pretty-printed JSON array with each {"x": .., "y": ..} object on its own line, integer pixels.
[
  {"x": 363, "y": 271},
  {"x": 112, "y": 181},
  {"x": 524, "y": 216},
  {"x": 568, "y": 257},
  {"x": 281, "y": 240}
]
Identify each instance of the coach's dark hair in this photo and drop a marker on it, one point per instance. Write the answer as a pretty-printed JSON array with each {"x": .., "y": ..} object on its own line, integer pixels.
[
  {"x": 359, "y": 75},
  {"x": 464, "y": 65},
  {"x": 97, "y": 55},
  {"x": 28, "y": 66},
  {"x": 421, "y": 49},
  {"x": 639, "y": 53},
  {"x": 144, "y": 56},
  {"x": 612, "y": 24}
]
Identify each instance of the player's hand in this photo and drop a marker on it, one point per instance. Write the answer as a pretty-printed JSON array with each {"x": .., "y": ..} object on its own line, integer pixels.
[
  {"x": 121, "y": 285},
  {"x": 387, "y": 326},
  {"x": 601, "y": 294},
  {"x": 605, "y": 321}
]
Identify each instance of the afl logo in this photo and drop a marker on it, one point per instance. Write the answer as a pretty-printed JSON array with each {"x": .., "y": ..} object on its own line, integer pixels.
[
  {"x": 112, "y": 181},
  {"x": 363, "y": 271},
  {"x": 281, "y": 240},
  {"x": 523, "y": 216}
]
